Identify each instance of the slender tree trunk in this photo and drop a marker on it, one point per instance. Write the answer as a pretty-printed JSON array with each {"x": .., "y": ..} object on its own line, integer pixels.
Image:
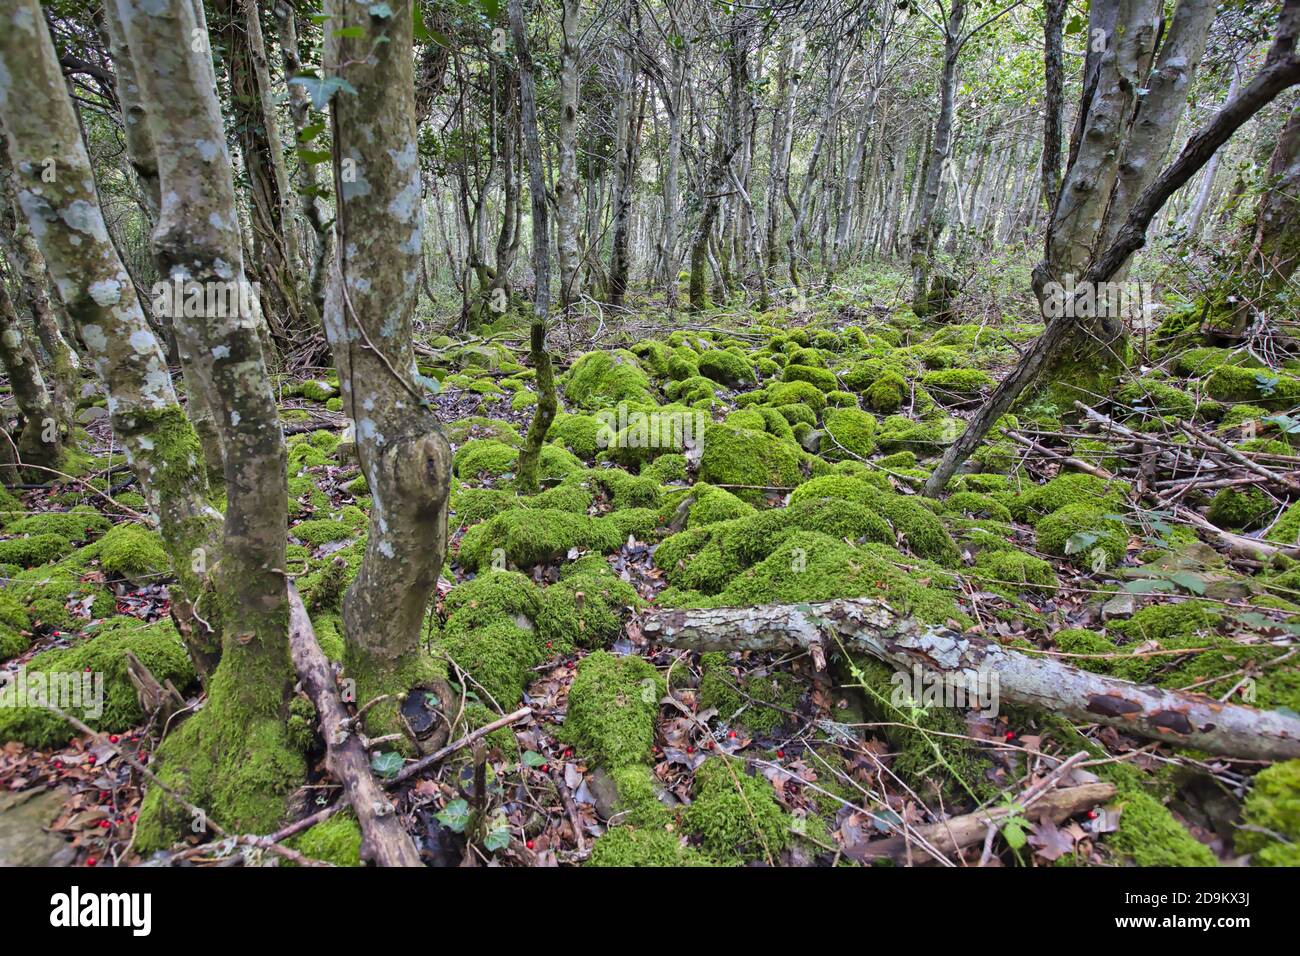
[
  {"x": 566, "y": 183},
  {"x": 923, "y": 223},
  {"x": 40, "y": 441},
  {"x": 544, "y": 414},
  {"x": 1053, "y": 105}
]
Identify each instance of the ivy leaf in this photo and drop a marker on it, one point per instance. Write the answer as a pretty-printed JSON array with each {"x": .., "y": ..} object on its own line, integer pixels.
[
  {"x": 533, "y": 759},
  {"x": 351, "y": 33},
  {"x": 1285, "y": 423},
  {"x": 308, "y": 133},
  {"x": 313, "y": 157},
  {"x": 491, "y": 8},
  {"x": 320, "y": 90},
  {"x": 386, "y": 764},
  {"x": 455, "y": 816},
  {"x": 498, "y": 838},
  {"x": 1080, "y": 541},
  {"x": 1189, "y": 581}
]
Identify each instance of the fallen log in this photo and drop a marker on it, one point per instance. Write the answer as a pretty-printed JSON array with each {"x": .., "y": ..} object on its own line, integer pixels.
[
  {"x": 948, "y": 836},
  {"x": 383, "y": 841},
  {"x": 871, "y": 627}
]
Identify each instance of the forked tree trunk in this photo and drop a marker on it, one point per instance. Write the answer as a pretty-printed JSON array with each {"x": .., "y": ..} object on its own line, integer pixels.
[
  {"x": 370, "y": 303},
  {"x": 234, "y": 757},
  {"x": 40, "y": 442},
  {"x": 1281, "y": 70}
]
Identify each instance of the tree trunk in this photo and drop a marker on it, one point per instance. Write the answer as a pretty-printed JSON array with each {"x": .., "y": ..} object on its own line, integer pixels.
[
  {"x": 234, "y": 757},
  {"x": 370, "y": 302},
  {"x": 544, "y": 414},
  {"x": 566, "y": 183},
  {"x": 924, "y": 233},
  {"x": 40, "y": 442},
  {"x": 1054, "y": 74}
]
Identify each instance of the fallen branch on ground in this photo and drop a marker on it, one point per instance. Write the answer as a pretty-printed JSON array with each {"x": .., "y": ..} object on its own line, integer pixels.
[
  {"x": 383, "y": 842},
  {"x": 872, "y": 627}
]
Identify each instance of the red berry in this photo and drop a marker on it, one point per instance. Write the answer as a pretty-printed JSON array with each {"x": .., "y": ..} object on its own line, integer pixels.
[
  {"x": 529, "y": 844},
  {"x": 112, "y": 738},
  {"x": 1010, "y": 735},
  {"x": 731, "y": 733},
  {"x": 690, "y": 750},
  {"x": 91, "y": 861},
  {"x": 546, "y": 768},
  {"x": 548, "y": 645},
  {"x": 1092, "y": 814},
  {"x": 781, "y": 754},
  {"x": 87, "y": 670},
  {"x": 104, "y": 824}
]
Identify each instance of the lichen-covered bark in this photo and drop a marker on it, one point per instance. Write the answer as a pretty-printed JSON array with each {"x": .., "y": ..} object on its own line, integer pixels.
[
  {"x": 39, "y": 442},
  {"x": 1275, "y": 251},
  {"x": 28, "y": 266},
  {"x": 369, "y": 305},
  {"x": 865, "y": 626},
  {"x": 55, "y": 190},
  {"x": 566, "y": 180},
  {"x": 197, "y": 244}
]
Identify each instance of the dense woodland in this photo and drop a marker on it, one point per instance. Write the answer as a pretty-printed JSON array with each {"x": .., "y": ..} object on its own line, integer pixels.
[{"x": 643, "y": 433}]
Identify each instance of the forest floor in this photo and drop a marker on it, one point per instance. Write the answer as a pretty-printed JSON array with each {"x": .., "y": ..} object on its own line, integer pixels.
[{"x": 777, "y": 459}]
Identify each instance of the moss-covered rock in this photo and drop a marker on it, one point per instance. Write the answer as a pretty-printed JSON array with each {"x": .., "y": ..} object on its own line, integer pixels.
[
  {"x": 613, "y": 702},
  {"x": 735, "y": 815},
  {"x": 851, "y": 434},
  {"x": 336, "y": 841},
  {"x": 726, "y": 368},
  {"x": 101, "y": 657},
  {"x": 739, "y": 456},
  {"x": 601, "y": 379},
  {"x": 1076, "y": 531},
  {"x": 1272, "y": 817},
  {"x": 1240, "y": 509},
  {"x": 34, "y": 550},
  {"x": 133, "y": 552},
  {"x": 536, "y": 535}
]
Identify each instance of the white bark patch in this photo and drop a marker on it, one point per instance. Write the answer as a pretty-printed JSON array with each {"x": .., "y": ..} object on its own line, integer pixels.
[
  {"x": 94, "y": 338},
  {"x": 106, "y": 292},
  {"x": 85, "y": 217},
  {"x": 407, "y": 202},
  {"x": 142, "y": 341},
  {"x": 12, "y": 339},
  {"x": 208, "y": 149},
  {"x": 221, "y": 351}
]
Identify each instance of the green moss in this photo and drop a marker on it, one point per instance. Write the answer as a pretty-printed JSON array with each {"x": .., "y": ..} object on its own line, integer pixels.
[
  {"x": 923, "y": 437},
  {"x": 35, "y": 550},
  {"x": 691, "y": 390},
  {"x": 337, "y": 841},
  {"x": 976, "y": 504},
  {"x": 1240, "y": 509},
  {"x": 1014, "y": 571},
  {"x": 601, "y": 379},
  {"x": 321, "y": 531},
  {"x": 796, "y": 393},
  {"x": 738, "y": 456},
  {"x": 1149, "y": 835},
  {"x": 535, "y": 536},
  {"x": 156, "y": 645},
  {"x": 492, "y": 597},
  {"x": 727, "y": 368},
  {"x": 133, "y": 552},
  {"x": 1150, "y": 395},
  {"x": 666, "y": 469},
  {"x": 613, "y": 703},
  {"x": 817, "y": 377},
  {"x": 930, "y": 744},
  {"x": 315, "y": 390},
  {"x": 581, "y": 434},
  {"x": 851, "y": 434},
  {"x": 712, "y": 505},
  {"x": 797, "y": 413},
  {"x": 484, "y": 456},
  {"x": 1070, "y": 489},
  {"x": 1287, "y": 528},
  {"x": 629, "y": 846},
  {"x": 1076, "y": 531},
  {"x": 1273, "y": 810},
  {"x": 1231, "y": 383},
  {"x": 625, "y": 490},
  {"x": 735, "y": 815},
  {"x": 499, "y": 656},
  {"x": 961, "y": 381},
  {"x": 79, "y": 524},
  {"x": 586, "y": 609}
]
